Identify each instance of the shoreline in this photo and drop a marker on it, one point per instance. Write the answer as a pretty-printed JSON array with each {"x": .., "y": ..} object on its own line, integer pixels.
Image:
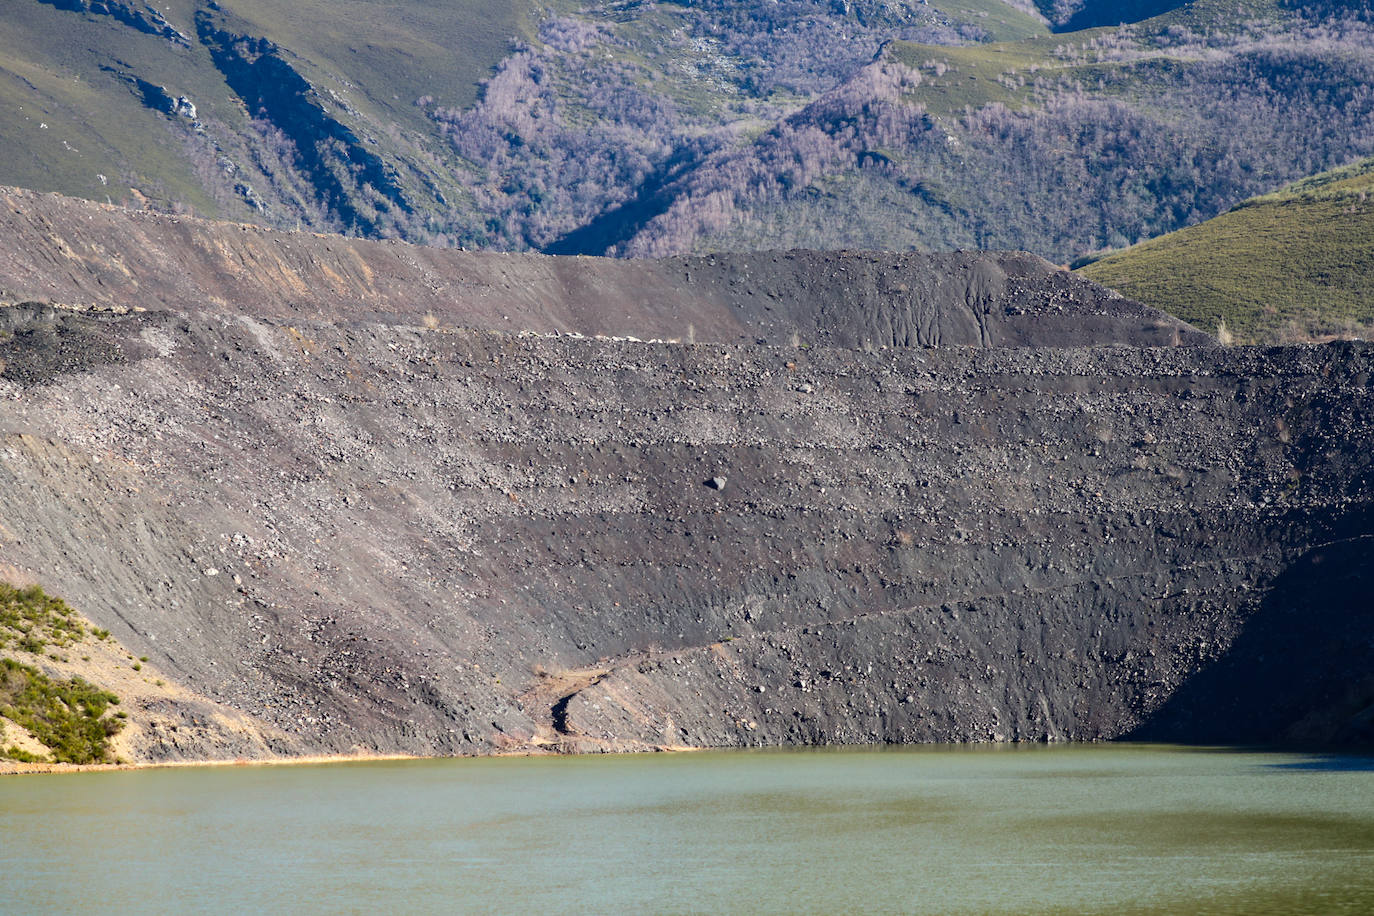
[{"x": 18, "y": 768}]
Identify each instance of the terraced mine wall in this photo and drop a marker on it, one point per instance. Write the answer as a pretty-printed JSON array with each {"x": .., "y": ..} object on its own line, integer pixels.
[
  {"x": 351, "y": 496},
  {"x": 396, "y": 538}
]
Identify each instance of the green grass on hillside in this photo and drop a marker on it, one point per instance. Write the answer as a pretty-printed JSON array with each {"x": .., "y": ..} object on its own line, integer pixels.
[
  {"x": 65, "y": 716},
  {"x": 95, "y": 126},
  {"x": 955, "y": 78},
  {"x": 1001, "y": 21},
  {"x": 71, "y": 72},
  {"x": 1208, "y": 16},
  {"x": 1295, "y": 264},
  {"x": 31, "y": 619},
  {"x": 1356, "y": 178},
  {"x": 1001, "y": 71},
  {"x": 400, "y": 48},
  {"x": 396, "y": 51},
  {"x": 68, "y": 717}
]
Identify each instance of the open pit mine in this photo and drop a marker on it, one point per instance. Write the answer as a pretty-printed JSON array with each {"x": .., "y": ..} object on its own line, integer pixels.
[{"x": 364, "y": 497}]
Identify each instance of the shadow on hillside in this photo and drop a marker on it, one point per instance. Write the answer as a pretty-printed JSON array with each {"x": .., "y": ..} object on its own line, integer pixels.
[
  {"x": 1302, "y": 671},
  {"x": 621, "y": 223},
  {"x": 1096, "y": 15}
]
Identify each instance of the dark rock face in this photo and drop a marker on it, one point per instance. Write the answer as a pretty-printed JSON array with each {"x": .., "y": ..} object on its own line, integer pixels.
[
  {"x": 1317, "y": 619},
  {"x": 1092, "y": 15},
  {"x": 437, "y": 541},
  {"x": 331, "y": 509},
  {"x": 43, "y": 342}
]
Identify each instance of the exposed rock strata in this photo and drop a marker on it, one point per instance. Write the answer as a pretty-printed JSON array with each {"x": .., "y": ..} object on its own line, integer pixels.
[
  {"x": 369, "y": 530},
  {"x": 396, "y": 539}
]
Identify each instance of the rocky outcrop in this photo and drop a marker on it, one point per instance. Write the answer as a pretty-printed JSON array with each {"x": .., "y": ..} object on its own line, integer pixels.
[
  {"x": 142, "y": 18},
  {"x": 159, "y": 99},
  {"x": 392, "y": 538},
  {"x": 350, "y": 179}
]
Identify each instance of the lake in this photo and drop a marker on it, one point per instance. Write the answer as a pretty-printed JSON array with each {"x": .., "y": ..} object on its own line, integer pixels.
[{"x": 1077, "y": 829}]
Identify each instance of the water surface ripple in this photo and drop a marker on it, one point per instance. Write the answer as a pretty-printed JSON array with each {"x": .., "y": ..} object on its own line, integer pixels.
[{"x": 1099, "y": 829}]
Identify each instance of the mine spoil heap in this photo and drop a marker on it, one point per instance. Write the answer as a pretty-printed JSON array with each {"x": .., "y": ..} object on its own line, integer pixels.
[{"x": 382, "y": 498}]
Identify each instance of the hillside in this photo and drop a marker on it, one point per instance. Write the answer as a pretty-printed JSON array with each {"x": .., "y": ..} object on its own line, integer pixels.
[
  {"x": 635, "y": 128},
  {"x": 1296, "y": 264},
  {"x": 1060, "y": 145},
  {"x": 337, "y": 116},
  {"x": 115, "y": 101},
  {"x": 1071, "y": 15},
  {"x": 360, "y": 526}
]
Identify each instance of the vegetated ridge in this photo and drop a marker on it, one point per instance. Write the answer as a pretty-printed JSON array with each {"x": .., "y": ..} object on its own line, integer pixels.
[
  {"x": 1297, "y": 264},
  {"x": 689, "y": 127},
  {"x": 377, "y": 531}
]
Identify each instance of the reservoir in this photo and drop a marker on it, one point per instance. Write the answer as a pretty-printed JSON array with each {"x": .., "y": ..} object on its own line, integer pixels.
[{"x": 1078, "y": 829}]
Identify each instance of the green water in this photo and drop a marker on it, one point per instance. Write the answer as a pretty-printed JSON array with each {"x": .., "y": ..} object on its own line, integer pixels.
[{"x": 1122, "y": 829}]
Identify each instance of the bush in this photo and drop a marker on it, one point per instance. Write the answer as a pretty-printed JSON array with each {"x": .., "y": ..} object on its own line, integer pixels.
[
  {"x": 23, "y": 756},
  {"x": 68, "y": 717},
  {"x": 31, "y": 619}
]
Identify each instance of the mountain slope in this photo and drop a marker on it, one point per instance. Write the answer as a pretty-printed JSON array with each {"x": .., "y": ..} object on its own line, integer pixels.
[
  {"x": 395, "y": 84},
  {"x": 1060, "y": 145},
  {"x": 1295, "y": 264},
  {"x": 676, "y": 127},
  {"x": 88, "y": 102},
  {"x": 93, "y": 256}
]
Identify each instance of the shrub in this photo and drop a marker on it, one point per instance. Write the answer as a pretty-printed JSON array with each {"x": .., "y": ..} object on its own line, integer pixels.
[
  {"x": 23, "y": 756},
  {"x": 68, "y": 717},
  {"x": 31, "y": 619}
]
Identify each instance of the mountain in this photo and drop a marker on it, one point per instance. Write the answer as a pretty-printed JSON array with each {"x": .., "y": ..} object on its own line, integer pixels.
[
  {"x": 330, "y": 495},
  {"x": 1297, "y": 264},
  {"x": 343, "y": 116},
  {"x": 1060, "y": 145},
  {"x": 195, "y": 108},
  {"x": 635, "y": 128}
]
